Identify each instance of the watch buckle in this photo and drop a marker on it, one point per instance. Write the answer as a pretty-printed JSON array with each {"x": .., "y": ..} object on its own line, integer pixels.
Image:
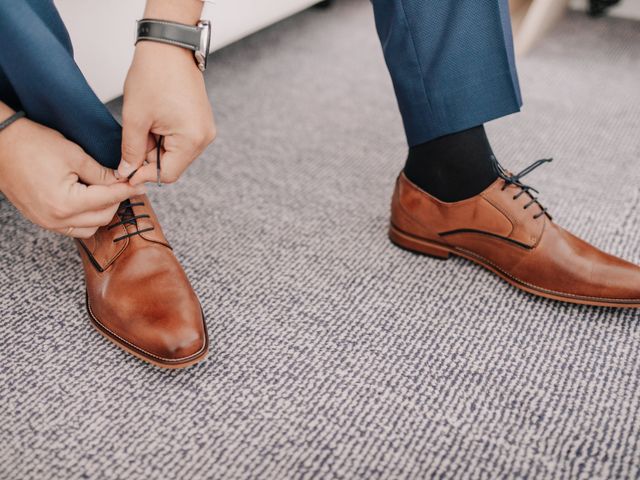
[
  {"x": 201, "y": 61},
  {"x": 205, "y": 40}
]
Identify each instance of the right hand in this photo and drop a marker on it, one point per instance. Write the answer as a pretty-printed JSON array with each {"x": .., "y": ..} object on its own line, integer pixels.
[{"x": 55, "y": 184}]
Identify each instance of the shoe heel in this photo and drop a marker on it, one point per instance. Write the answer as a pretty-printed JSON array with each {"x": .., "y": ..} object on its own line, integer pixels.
[{"x": 417, "y": 245}]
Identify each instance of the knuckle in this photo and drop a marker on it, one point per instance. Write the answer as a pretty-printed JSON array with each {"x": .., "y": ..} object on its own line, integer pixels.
[
  {"x": 193, "y": 138},
  {"x": 170, "y": 177},
  {"x": 104, "y": 175},
  {"x": 199, "y": 137},
  {"x": 210, "y": 135},
  {"x": 106, "y": 218},
  {"x": 113, "y": 208},
  {"x": 47, "y": 224},
  {"x": 59, "y": 212}
]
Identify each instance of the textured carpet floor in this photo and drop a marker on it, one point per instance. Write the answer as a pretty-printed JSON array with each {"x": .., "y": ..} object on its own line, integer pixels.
[{"x": 336, "y": 355}]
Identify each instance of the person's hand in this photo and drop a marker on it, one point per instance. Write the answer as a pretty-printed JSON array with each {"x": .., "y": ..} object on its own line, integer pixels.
[
  {"x": 54, "y": 183},
  {"x": 164, "y": 94}
]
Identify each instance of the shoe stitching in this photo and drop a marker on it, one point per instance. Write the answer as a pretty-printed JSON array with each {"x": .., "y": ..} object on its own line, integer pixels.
[
  {"x": 514, "y": 222},
  {"x": 430, "y": 197},
  {"x": 502, "y": 210},
  {"x": 480, "y": 257},
  {"x": 572, "y": 295},
  {"x": 513, "y": 277},
  {"x": 135, "y": 347},
  {"x": 481, "y": 195}
]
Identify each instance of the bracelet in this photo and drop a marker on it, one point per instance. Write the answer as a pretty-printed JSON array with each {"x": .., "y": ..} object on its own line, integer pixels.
[{"x": 11, "y": 119}]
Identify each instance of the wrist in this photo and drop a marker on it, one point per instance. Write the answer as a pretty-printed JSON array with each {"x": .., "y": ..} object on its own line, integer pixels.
[
  {"x": 7, "y": 140},
  {"x": 164, "y": 50},
  {"x": 182, "y": 11},
  {"x": 193, "y": 38},
  {"x": 153, "y": 55},
  {"x": 8, "y": 117},
  {"x": 5, "y": 111}
]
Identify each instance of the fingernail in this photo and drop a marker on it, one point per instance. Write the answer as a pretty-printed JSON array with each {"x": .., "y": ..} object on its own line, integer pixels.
[{"x": 125, "y": 168}]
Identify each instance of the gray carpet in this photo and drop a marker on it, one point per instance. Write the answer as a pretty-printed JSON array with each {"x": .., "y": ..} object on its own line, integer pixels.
[{"x": 336, "y": 355}]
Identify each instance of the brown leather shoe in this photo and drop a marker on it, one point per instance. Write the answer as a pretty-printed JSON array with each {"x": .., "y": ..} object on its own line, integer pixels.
[
  {"x": 138, "y": 296},
  {"x": 507, "y": 231}
]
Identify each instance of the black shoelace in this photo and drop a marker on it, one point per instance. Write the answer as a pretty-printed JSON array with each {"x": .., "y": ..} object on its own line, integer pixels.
[
  {"x": 515, "y": 180},
  {"x": 128, "y": 218}
]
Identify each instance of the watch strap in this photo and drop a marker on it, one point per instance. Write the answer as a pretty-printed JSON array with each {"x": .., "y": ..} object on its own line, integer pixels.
[{"x": 185, "y": 36}]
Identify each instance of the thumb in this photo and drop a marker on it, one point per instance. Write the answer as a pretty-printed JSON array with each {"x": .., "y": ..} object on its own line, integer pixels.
[
  {"x": 135, "y": 140},
  {"x": 91, "y": 172}
]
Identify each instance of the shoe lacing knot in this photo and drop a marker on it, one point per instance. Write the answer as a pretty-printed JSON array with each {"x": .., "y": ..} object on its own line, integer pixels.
[
  {"x": 127, "y": 217},
  {"x": 510, "y": 179}
]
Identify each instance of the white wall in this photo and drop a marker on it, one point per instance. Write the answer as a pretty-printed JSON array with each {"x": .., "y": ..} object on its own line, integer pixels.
[{"x": 102, "y": 32}]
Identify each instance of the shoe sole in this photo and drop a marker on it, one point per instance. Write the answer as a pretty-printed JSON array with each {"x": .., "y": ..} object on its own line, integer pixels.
[
  {"x": 423, "y": 246},
  {"x": 145, "y": 356}
]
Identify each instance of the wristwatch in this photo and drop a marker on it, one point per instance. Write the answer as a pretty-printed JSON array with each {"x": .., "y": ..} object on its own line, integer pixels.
[{"x": 196, "y": 38}]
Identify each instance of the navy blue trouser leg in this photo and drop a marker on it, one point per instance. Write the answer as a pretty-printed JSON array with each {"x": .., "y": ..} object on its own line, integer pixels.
[
  {"x": 38, "y": 75},
  {"x": 451, "y": 62}
]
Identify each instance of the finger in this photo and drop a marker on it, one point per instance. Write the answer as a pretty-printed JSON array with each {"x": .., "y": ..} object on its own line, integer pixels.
[
  {"x": 95, "y": 218},
  {"x": 149, "y": 171},
  {"x": 91, "y": 172},
  {"x": 151, "y": 157},
  {"x": 135, "y": 143},
  {"x": 146, "y": 173},
  {"x": 75, "y": 232},
  {"x": 173, "y": 165},
  {"x": 172, "y": 169},
  {"x": 98, "y": 197}
]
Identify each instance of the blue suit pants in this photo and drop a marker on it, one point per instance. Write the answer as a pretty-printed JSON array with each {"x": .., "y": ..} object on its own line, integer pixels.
[{"x": 451, "y": 63}]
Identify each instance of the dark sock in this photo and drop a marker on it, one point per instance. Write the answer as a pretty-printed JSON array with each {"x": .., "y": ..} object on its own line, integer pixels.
[{"x": 453, "y": 167}]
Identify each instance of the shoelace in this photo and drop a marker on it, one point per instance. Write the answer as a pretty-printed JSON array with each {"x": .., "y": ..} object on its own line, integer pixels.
[
  {"x": 515, "y": 180},
  {"x": 125, "y": 212},
  {"x": 159, "y": 142}
]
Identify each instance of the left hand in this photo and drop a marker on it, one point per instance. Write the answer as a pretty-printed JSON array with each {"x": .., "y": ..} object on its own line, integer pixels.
[{"x": 164, "y": 94}]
